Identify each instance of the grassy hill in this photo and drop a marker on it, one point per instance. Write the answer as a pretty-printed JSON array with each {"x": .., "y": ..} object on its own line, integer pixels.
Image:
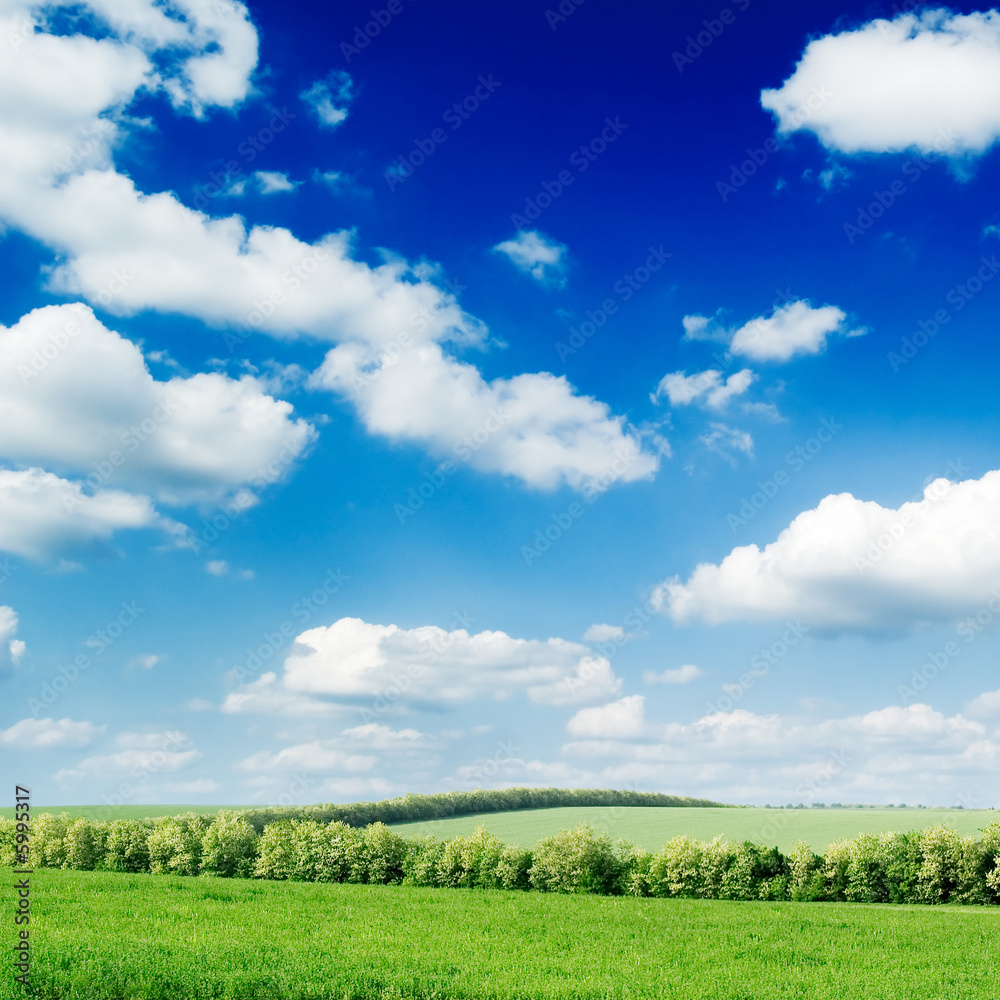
[{"x": 652, "y": 828}]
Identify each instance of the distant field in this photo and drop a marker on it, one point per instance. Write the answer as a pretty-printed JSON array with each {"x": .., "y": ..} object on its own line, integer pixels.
[
  {"x": 104, "y": 936},
  {"x": 652, "y": 828},
  {"x": 121, "y": 812}
]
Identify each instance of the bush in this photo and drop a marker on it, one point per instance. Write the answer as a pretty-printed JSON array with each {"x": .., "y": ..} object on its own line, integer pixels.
[
  {"x": 676, "y": 870},
  {"x": 175, "y": 845},
  {"x": 127, "y": 846},
  {"x": 575, "y": 861},
  {"x": 48, "y": 835},
  {"x": 805, "y": 874},
  {"x": 382, "y": 854},
  {"x": 8, "y": 842},
  {"x": 634, "y": 865},
  {"x": 85, "y": 845},
  {"x": 423, "y": 857},
  {"x": 514, "y": 868},
  {"x": 230, "y": 847},
  {"x": 341, "y": 843}
]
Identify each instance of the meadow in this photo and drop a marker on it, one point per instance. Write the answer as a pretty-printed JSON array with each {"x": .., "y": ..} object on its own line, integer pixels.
[
  {"x": 113, "y": 936},
  {"x": 653, "y": 827}
]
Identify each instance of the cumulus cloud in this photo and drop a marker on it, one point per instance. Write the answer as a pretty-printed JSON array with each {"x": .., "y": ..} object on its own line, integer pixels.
[
  {"x": 42, "y": 515},
  {"x": 78, "y": 398},
  {"x": 274, "y": 182},
  {"x": 854, "y": 564},
  {"x": 44, "y": 733},
  {"x": 353, "y": 662},
  {"x": 927, "y": 81},
  {"x": 330, "y": 99},
  {"x": 60, "y": 122},
  {"x": 793, "y": 329},
  {"x": 534, "y": 427},
  {"x": 725, "y": 440},
  {"x": 130, "y": 762},
  {"x": 708, "y": 387},
  {"x": 538, "y": 255},
  {"x": 15, "y": 648},
  {"x": 307, "y": 757},
  {"x": 624, "y": 719},
  {"x": 681, "y": 675},
  {"x": 604, "y": 633}
]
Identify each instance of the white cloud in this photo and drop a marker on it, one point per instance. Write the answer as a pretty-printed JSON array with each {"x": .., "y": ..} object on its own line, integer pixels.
[
  {"x": 274, "y": 182},
  {"x": 353, "y": 662},
  {"x": 533, "y": 427},
  {"x": 60, "y": 121},
  {"x": 738, "y": 756},
  {"x": 130, "y": 762},
  {"x": 850, "y": 563},
  {"x": 8, "y": 630},
  {"x": 217, "y": 567},
  {"x": 44, "y": 733},
  {"x": 604, "y": 633},
  {"x": 725, "y": 440},
  {"x": 538, "y": 255},
  {"x": 708, "y": 387},
  {"x": 987, "y": 705},
  {"x": 42, "y": 515},
  {"x": 145, "y": 661},
  {"x": 682, "y": 675},
  {"x": 78, "y": 398},
  {"x": 167, "y": 740},
  {"x": 200, "y": 786},
  {"x": 793, "y": 329},
  {"x": 928, "y": 81},
  {"x": 330, "y": 98},
  {"x": 625, "y": 719},
  {"x": 309, "y": 757}
]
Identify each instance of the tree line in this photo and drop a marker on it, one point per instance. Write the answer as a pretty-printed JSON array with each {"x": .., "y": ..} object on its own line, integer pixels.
[
  {"x": 931, "y": 866},
  {"x": 417, "y": 808}
]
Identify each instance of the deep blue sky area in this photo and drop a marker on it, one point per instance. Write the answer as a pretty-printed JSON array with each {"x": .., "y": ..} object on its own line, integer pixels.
[{"x": 699, "y": 620}]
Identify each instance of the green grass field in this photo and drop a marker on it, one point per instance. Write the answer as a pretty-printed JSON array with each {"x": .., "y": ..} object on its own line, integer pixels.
[
  {"x": 105, "y": 936},
  {"x": 120, "y": 812},
  {"x": 652, "y": 828}
]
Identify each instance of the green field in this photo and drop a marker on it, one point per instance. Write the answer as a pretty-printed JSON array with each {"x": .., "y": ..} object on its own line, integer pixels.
[
  {"x": 652, "y": 828},
  {"x": 106, "y": 936},
  {"x": 120, "y": 812}
]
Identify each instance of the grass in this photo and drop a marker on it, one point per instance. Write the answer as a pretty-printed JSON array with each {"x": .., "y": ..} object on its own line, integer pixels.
[
  {"x": 105, "y": 936},
  {"x": 652, "y": 828}
]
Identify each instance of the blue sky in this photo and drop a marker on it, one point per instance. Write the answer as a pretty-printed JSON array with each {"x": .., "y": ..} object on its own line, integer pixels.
[{"x": 449, "y": 397}]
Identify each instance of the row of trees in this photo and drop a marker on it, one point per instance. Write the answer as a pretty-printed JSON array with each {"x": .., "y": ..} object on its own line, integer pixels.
[
  {"x": 417, "y": 808},
  {"x": 932, "y": 866}
]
